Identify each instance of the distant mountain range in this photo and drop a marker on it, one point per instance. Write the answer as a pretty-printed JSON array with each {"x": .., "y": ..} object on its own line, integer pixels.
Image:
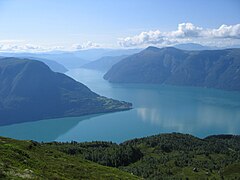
[
  {"x": 30, "y": 91},
  {"x": 66, "y": 59},
  {"x": 73, "y": 59},
  {"x": 194, "y": 47},
  {"x": 207, "y": 68},
  {"x": 96, "y": 53},
  {"x": 53, "y": 65},
  {"x": 199, "y": 47},
  {"x": 104, "y": 63}
]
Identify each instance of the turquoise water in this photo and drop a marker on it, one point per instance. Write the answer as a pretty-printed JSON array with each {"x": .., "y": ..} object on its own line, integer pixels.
[{"x": 157, "y": 109}]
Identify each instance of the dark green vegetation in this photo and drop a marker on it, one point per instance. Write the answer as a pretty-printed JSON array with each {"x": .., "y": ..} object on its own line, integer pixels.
[
  {"x": 104, "y": 63},
  {"x": 185, "y": 156},
  {"x": 32, "y": 160},
  {"x": 165, "y": 156},
  {"x": 30, "y": 91},
  {"x": 208, "y": 68}
]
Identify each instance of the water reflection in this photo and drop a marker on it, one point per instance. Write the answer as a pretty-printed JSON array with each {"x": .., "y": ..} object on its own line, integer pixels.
[
  {"x": 157, "y": 109},
  {"x": 201, "y": 120},
  {"x": 155, "y": 117},
  {"x": 44, "y": 130}
]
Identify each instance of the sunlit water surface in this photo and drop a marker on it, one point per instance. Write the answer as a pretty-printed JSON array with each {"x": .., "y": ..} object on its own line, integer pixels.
[{"x": 157, "y": 109}]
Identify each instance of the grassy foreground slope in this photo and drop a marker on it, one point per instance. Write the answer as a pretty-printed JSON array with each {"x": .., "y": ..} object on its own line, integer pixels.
[
  {"x": 31, "y": 160},
  {"x": 164, "y": 156}
]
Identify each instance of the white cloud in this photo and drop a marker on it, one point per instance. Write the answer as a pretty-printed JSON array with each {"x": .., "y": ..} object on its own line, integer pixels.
[
  {"x": 23, "y": 46},
  {"x": 12, "y": 47},
  {"x": 20, "y": 48},
  {"x": 153, "y": 37},
  {"x": 186, "y": 32},
  {"x": 87, "y": 45},
  {"x": 225, "y": 31}
]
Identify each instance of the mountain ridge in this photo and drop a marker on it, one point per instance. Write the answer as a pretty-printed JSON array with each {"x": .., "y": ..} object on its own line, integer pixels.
[
  {"x": 104, "y": 63},
  {"x": 207, "y": 68},
  {"x": 30, "y": 91},
  {"x": 53, "y": 65}
]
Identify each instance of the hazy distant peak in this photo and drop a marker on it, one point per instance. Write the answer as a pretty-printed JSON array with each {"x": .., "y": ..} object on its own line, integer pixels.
[
  {"x": 193, "y": 47},
  {"x": 152, "y": 48},
  {"x": 164, "y": 49}
]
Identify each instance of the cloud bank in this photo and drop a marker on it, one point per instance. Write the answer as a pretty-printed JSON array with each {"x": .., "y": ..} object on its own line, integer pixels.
[
  {"x": 88, "y": 45},
  {"x": 21, "y": 46},
  {"x": 223, "y": 36},
  {"x": 185, "y": 32}
]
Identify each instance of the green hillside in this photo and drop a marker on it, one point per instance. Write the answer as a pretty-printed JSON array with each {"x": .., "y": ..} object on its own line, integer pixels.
[
  {"x": 31, "y": 160},
  {"x": 164, "y": 156}
]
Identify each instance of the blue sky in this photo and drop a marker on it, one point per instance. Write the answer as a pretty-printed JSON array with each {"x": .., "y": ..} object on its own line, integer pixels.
[{"x": 93, "y": 23}]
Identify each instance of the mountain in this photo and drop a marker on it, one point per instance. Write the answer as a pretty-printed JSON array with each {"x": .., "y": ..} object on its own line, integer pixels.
[
  {"x": 73, "y": 59},
  {"x": 54, "y": 66},
  {"x": 66, "y": 59},
  {"x": 193, "y": 47},
  {"x": 76, "y": 59},
  {"x": 120, "y": 52},
  {"x": 208, "y": 68},
  {"x": 104, "y": 63},
  {"x": 199, "y": 47},
  {"x": 94, "y": 54},
  {"x": 234, "y": 46},
  {"x": 168, "y": 156},
  {"x": 30, "y": 91}
]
